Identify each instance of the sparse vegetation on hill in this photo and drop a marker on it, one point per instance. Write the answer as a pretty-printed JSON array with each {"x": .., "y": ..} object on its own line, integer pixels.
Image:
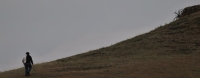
[
  {"x": 187, "y": 11},
  {"x": 169, "y": 51}
]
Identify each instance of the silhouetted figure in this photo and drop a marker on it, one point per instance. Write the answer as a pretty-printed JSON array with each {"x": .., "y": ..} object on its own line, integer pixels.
[{"x": 28, "y": 62}]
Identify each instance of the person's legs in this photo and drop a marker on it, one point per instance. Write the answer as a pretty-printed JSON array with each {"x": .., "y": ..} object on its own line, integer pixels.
[
  {"x": 29, "y": 68},
  {"x": 26, "y": 69}
]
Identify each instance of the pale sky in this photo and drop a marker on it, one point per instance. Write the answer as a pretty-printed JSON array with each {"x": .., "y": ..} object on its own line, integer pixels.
[{"x": 53, "y": 29}]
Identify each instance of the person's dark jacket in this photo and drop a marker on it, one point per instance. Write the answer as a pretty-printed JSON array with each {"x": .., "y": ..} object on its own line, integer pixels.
[{"x": 29, "y": 59}]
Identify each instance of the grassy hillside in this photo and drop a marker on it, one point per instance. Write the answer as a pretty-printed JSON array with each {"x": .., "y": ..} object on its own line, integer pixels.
[{"x": 169, "y": 51}]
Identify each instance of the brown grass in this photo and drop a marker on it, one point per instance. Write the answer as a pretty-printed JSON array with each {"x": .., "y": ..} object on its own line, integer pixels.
[
  {"x": 173, "y": 66},
  {"x": 170, "y": 51}
]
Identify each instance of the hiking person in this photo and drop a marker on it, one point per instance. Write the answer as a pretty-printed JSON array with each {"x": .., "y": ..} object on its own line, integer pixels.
[{"x": 28, "y": 62}]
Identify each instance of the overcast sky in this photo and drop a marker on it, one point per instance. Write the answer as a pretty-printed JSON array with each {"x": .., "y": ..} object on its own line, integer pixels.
[{"x": 53, "y": 29}]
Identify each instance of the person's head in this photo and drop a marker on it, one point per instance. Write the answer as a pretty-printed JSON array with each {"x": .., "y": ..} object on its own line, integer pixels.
[{"x": 27, "y": 53}]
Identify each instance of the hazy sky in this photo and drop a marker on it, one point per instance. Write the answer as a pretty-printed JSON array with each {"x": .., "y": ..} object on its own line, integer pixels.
[{"x": 53, "y": 29}]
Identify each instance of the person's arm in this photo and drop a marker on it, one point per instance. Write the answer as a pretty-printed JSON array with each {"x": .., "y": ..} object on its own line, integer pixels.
[
  {"x": 23, "y": 60},
  {"x": 31, "y": 60}
]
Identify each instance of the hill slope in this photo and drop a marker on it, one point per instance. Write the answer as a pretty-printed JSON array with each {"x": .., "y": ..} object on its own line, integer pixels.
[{"x": 169, "y": 51}]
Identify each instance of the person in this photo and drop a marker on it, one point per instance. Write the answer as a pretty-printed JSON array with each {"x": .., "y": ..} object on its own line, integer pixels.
[{"x": 28, "y": 62}]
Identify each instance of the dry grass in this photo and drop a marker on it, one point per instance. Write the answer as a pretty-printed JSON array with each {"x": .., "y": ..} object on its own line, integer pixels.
[
  {"x": 174, "y": 66},
  {"x": 170, "y": 51}
]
